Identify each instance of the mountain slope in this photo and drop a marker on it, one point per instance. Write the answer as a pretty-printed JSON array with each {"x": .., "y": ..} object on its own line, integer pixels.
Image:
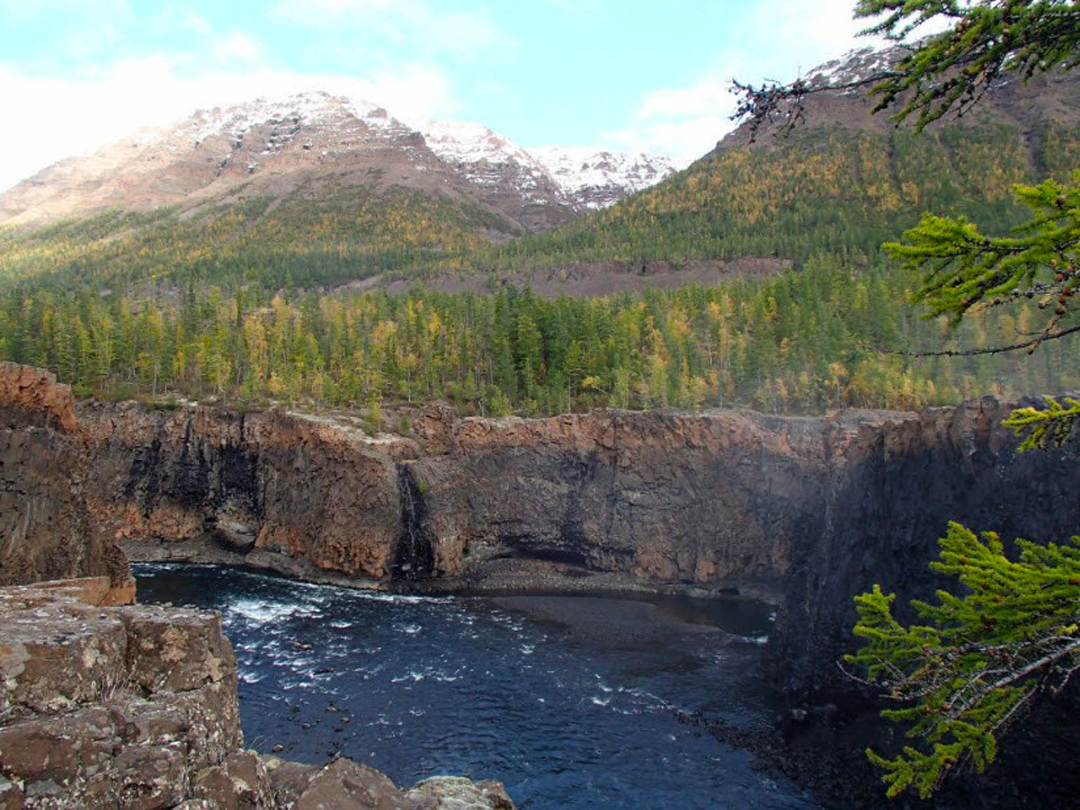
[
  {"x": 842, "y": 181},
  {"x": 265, "y": 148},
  {"x": 308, "y": 189}
]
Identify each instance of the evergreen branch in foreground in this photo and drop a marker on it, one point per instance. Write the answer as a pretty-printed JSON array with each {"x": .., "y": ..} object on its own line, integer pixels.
[{"x": 977, "y": 661}]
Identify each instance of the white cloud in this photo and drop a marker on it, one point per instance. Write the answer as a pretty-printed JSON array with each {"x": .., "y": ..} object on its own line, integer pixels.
[
  {"x": 63, "y": 117},
  {"x": 790, "y": 37},
  {"x": 238, "y": 47},
  {"x": 415, "y": 23}
]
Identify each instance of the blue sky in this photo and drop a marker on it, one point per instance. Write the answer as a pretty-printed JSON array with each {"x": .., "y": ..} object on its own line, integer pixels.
[{"x": 627, "y": 74}]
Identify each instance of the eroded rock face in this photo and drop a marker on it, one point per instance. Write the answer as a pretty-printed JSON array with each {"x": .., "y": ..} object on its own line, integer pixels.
[
  {"x": 110, "y": 707},
  {"x": 45, "y": 530},
  {"x": 31, "y": 397},
  {"x": 711, "y": 498},
  {"x": 889, "y": 496},
  {"x": 807, "y": 511},
  {"x": 262, "y": 481}
]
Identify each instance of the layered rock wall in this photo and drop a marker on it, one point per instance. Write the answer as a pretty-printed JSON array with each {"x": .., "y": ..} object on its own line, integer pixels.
[
  {"x": 265, "y": 481},
  {"x": 888, "y": 496},
  {"x": 45, "y": 530},
  {"x": 806, "y": 510}
]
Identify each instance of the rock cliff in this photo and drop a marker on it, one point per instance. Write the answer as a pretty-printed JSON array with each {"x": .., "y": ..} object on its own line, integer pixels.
[
  {"x": 45, "y": 530},
  {"x": 104, "y": 704},
  {"x": 263, "y": 481},
  {"x": 805, "y": 511},
  {"x": 888, "y": 498}
]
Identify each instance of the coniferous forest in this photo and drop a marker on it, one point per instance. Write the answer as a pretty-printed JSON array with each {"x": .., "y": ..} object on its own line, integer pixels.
[{"x": 240, "y": 302}]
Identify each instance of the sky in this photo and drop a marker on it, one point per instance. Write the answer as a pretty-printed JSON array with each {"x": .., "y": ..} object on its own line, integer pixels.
[{"x": 615, "y": 74}]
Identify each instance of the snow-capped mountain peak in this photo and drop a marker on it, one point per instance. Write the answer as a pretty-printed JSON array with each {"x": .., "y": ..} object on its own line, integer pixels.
[
  {"x": 273, "y": 146},
  {"x": 601, "y": 178},
  {"x": 586, "y": 179},
  {"x": 468, "y": 142}
]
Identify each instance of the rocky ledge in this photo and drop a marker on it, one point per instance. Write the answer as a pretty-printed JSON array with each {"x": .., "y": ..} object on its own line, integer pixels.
[{"x": 136, "y": 707}]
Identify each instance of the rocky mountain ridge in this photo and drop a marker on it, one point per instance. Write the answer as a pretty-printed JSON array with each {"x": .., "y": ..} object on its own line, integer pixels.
[
  {"x": 277, "y": 146},
  {"x": 838, "y": 89}
]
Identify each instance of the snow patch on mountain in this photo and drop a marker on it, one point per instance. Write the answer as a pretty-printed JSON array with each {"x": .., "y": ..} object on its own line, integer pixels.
[
  {"x": 855, "y": 66},
  {"x": 584, "y": 178},
  {"x": 287, "y": 115},
  {"x": 601, "y": 178}
]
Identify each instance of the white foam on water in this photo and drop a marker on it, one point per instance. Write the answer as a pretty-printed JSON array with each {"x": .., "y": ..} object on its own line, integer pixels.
[{"x": 259, "y": 611}]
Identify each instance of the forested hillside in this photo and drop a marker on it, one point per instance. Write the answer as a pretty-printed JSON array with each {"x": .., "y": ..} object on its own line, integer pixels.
[
  {"x": 232, "y": 300},
  {"x": 802, "y": 342},
  {"x": 842, "y": 182}
]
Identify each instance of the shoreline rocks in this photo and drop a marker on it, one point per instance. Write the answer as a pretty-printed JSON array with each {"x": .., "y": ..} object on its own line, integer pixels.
[{"x": 137, "y": 707}]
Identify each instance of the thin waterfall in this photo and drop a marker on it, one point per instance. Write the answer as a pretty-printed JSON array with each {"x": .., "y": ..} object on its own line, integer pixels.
[{"x": 414, "y": 555}]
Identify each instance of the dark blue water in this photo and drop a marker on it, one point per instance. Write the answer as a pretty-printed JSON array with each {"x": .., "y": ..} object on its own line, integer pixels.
[{"x": 570, "y": 701}]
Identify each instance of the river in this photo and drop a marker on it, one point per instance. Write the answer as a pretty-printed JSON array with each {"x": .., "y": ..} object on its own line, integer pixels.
[{"x": 570, "y": 701}]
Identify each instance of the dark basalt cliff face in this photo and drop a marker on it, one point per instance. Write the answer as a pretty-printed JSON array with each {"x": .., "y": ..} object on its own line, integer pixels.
[
  {"x": 804, "y": 511},
  {"x": 263, "y": 481},
  {"x": 882, "y": 510}
]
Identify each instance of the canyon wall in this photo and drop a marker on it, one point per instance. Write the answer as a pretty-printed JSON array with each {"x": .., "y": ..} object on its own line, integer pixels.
[
  {"x": 882, "y": 507},
  {"x": 45, "y": 530},
  {"x": 106, "y": 704},
  {"x": 804, "y": 511},
  {"x": 260, "y": 481}
]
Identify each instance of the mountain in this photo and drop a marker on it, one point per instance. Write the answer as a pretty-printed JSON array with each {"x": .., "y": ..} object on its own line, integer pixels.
[
  {"x": 310, "y": 145},
  {"x": 315, "y": 141},
  {"x": 841, "y": 181},
  {"x": 597, "y": 179},
  {"x": 307, "y": 189},
  {"x": 234, "y": 288},
  {"x": 582, "y": 178}
]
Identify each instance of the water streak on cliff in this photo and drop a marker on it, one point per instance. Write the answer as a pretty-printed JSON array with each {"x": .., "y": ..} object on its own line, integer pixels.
[{"x": 414, "y": 554}]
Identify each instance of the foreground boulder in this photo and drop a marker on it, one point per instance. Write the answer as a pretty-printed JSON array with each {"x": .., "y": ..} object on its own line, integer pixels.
[{"x": 136, "y": 707}]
